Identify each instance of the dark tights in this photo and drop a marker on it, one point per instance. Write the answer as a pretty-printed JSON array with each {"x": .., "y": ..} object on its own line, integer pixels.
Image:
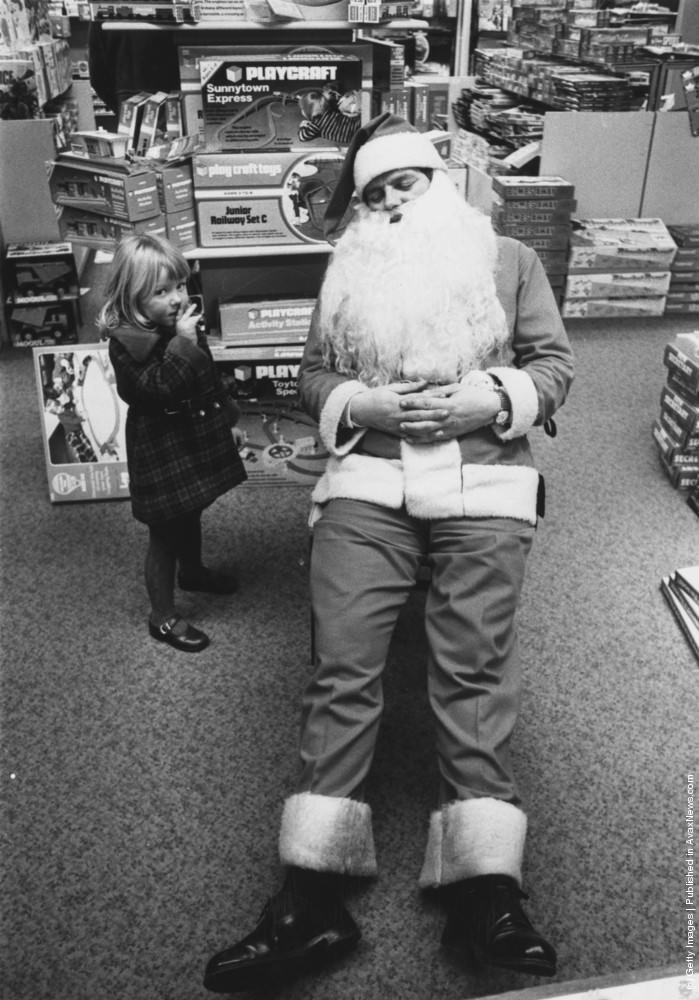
[{"x": 170, "y": 543}]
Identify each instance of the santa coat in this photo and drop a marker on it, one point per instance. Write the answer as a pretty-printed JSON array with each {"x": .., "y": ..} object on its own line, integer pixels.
[
  {"x": 486, "y": 473},
  {"x": 180, "y": 450}
]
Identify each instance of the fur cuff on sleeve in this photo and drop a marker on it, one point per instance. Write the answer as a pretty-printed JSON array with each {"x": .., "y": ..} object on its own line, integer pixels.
[
  {"x": 520, "y": 387},
  {"x": 331, "y": 419},
  {"x": 471, "y": 837},
  {"x": 327, "y": 834}
]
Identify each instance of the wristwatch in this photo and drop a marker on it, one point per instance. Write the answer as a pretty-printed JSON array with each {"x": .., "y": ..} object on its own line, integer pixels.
[{"x": 504, "y": 414}]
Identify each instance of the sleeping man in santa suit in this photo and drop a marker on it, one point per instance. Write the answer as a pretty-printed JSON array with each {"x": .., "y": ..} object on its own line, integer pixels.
[{"x": 434, "y": 349}]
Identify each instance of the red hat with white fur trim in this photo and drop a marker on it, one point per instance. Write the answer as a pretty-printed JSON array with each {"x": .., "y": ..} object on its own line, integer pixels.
[{"x": 385, "y": 143}]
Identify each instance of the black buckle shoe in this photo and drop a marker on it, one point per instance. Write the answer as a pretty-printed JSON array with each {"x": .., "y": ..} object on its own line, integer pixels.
[
  {"x": 294, "y": 935},
  {"x": 486, "y": 920},
  {"x": 192, "y": 640}
]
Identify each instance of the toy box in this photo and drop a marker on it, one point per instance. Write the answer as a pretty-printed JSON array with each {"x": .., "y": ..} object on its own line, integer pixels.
[
  {"x": 98, "y": 143},
  {"x": 130, "y": 115},
  {"x": 40, "y": 272},
  {"x": 683, "y": 411},
  {"x": 181, "y": 229},
  {"x": 282, "y": 446},
  {"x": 115, "y": 188},
  {"x": 190, "y": 57},
  {"x": 681, "y": 358},
  {"x": 102, "y": 231},
  {"x": 266, "y": 321},
  {"x": 258, "y": 199},
  {"x": 651, "y": 306},
  {"x": 615, "y": 285},
  {"x": 175, "y": 187},
  {"x": 259, "y": 102},
  {"x": 44, "y": 323},
  {"x": 621, "y": 245},
  {"x": 551, "y": 187},
  {"x": 82, "y": 420}
]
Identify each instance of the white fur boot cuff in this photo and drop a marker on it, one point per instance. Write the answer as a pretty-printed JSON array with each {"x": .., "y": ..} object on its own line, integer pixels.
[
  {"x": 474, "y": 837},
  {"x": 327, "y": 834}
]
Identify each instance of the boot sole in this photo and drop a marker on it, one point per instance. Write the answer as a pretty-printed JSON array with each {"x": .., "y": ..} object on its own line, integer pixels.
[{"x": 315, "y": 955}]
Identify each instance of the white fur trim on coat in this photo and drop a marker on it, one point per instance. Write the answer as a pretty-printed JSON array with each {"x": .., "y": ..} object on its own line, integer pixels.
[
  {"x": 520, "y": 387},
  {"x": 500, "y": 491},
  {"x": 428, "y": 491},
  {"x": 331, "y": 418},
  {"x": 473, "y": 837},
  {"x": 432, "y": 477},
  {"x": 327, "y": 834}
]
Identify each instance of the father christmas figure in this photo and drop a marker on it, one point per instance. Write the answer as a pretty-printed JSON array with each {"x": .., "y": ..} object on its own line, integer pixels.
[{"x": 434, "y": 348}]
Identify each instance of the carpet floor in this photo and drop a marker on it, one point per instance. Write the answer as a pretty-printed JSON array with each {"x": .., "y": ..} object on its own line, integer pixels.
[{"x": 142, "y": 789}]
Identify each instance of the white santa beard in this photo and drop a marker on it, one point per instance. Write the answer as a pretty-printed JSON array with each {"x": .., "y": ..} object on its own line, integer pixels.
[{"x": 414, "y": 298}]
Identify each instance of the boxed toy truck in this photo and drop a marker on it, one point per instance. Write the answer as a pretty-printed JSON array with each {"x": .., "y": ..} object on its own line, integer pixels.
[{"x": 40, "y": 272}]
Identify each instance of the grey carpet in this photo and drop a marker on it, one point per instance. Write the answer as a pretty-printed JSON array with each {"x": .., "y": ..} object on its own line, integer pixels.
[{"x": 141, "y": 789}]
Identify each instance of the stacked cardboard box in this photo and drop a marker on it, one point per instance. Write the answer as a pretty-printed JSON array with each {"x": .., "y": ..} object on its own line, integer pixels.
[
  {"x": 104, "y": 199},
  {"x": 676, "y": 431},
  {"x": 42, "y": 293},
  {"x": 537, "y": 211},
  {"x": 683, "y": 294},
  {"x": 618, "y": 267},
  {"x": 259, "y": 349},
  {"x": 260, "y": 329}
]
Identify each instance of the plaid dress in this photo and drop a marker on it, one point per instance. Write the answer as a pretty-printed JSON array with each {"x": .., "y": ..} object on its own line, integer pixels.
[{"x": 179, "y": 447}]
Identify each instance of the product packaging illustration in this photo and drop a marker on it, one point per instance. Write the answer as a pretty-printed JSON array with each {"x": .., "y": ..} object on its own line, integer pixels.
[
  {"x": 83, "y": 422},
  {"x": 259, "y": 199},
  {"x": 257, "y": 102},
  {"x": 282, "y": 445}
]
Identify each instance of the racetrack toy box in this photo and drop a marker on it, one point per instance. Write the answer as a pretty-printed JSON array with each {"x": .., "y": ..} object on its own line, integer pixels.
[
  {"x": 265, "y": 198},
  {"x": 258, "y": 102},
  {"x": 82, "y": 421}
]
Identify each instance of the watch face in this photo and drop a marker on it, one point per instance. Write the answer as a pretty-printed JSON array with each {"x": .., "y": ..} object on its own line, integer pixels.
[{"x": 502, "y": 417}]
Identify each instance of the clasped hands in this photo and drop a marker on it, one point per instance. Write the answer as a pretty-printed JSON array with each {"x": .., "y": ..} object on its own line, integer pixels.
[{"x": 425, "y": 413}]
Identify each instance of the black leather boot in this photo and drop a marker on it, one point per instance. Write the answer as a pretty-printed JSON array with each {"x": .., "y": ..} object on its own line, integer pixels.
[
  {"x": 486, "y": 921},
  {"x": 304, "y": 927}
]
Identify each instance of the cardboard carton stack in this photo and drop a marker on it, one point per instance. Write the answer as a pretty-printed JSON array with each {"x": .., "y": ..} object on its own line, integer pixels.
[
  {"x": 618, "y": 267},
  {"x": 259, "y": 349},
  {"x": 537, "y": 211},
  {"x": 103, "y": 199},
  {"x": 683, "y": 294},
  {"x": 676, "y": 431},
  {"x": 42, "y": 294}
]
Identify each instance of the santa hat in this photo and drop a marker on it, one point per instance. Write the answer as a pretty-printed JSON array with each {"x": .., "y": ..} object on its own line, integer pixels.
[{"x": 383, "y": 144}]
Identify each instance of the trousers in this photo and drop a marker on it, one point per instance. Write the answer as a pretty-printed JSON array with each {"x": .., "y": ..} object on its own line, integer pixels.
[{"x": 364, "y": 563}]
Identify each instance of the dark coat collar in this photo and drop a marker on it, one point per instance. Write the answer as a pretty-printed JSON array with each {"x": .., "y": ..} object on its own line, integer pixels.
[{"x": 139, "y": 343}]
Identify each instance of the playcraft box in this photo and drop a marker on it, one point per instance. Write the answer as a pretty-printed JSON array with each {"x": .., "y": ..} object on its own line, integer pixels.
[
  {"x": 258, "y": 102},
  {"x": 282, "y": 446},
  {"x": 258, "y": 199},
  {"x": 82, "y": 420}
]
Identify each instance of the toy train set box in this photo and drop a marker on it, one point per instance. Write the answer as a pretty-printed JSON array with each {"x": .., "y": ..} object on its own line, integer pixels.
[
  {"x": 282, "y": 446},
  {"x": 265, "y": 198},
  {"x": 255, "y": 102},
  {"x": 83, "y": 422}
]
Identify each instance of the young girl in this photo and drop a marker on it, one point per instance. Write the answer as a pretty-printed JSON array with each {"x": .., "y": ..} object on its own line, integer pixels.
[{"x": 181, "y": 445}]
